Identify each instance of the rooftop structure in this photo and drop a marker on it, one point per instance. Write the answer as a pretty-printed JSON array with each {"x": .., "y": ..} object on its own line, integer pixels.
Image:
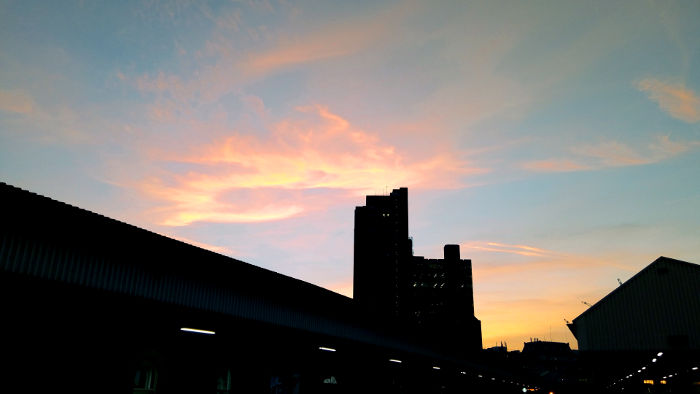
[{"x": 656, "y": 309}]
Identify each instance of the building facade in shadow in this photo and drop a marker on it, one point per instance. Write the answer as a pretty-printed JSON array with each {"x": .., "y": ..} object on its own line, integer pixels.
[
  {"x": 433, "y": 297},
  {"x": 656, "y": 309}
]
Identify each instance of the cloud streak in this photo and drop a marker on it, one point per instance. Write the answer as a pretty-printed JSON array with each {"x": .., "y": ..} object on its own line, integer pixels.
[
  {"x": 522, "y": 250},
  {"x": 225, "y": 65},
  {"x": 675, "y": 99},
  {"x": 608, "y": 154}
]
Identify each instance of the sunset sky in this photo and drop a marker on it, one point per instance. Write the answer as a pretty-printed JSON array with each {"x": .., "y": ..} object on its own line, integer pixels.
[{"x": 557, "y": 141}]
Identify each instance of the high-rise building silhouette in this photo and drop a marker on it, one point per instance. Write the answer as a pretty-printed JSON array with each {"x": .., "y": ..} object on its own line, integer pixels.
[
  {"x": 382, "y": 249},
  {"x": 432, "y": 296}
]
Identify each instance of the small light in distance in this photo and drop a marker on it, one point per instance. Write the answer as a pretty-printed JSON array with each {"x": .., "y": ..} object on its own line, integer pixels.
[
  {"x": 524, "y": 390},
  {"x": 198, "y": 331},
  {"x": 464, "y": 373},
  {"x": 659, "y": 354},
  {"x": 326, "y": 349},
  {"x": 393, "y": 360},
  {"x": 436, "y": 367},
  {"x": 695, "y": 368},
  {"x": 653, "y": 360}
]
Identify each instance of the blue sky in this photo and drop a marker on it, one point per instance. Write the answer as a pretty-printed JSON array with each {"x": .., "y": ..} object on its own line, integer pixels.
[{"x": 557, "y": 142}]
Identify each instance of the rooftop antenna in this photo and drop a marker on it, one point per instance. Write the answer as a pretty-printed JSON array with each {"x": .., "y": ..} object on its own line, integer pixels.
[
  {"x": 567, "y": 322},
  {"x": 619, "y": 281},
  {"x": 585, "y": 303}
]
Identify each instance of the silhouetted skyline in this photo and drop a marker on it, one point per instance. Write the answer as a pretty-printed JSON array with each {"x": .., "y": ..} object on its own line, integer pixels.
[
  {"x": 434, "y": 297},
  {"x": 556, "y": 143}
]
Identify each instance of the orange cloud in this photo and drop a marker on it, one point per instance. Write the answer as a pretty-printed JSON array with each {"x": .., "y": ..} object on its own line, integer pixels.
[
  {"x": 523, "y": 250},
  {"x": 337, "y": 39},
  {"x": 612, "y": 154},
  {"x": 16, "y": 101},
  {"x": 320, "y": 151},
  {"x": 674, "y": 98},
  {"x": 187, "y": 203},
  {"x": 226, "y": 67}
]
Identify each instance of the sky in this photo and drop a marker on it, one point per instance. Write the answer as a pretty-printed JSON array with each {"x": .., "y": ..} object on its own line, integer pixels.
[{"x": 558, "y": 142}]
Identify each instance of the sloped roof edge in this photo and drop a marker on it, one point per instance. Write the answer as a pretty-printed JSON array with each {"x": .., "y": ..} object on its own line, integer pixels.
[
  {"x": 14, "y": 192},
  {"x": 660, "y": 260}
]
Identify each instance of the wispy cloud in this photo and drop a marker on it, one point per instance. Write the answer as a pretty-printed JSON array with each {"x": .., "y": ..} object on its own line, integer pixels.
[
  {"x": 674, "y": 98},
  {"x": 317, "y": 150},
  {"x": 612, "y": 154},
  {"x": 554, "y": 165},
  {"x": 523, "y": 250},
  {"x": 224, "y": 66},
  {"x": 16, "y": 101},
  {"x": 56, "y": 123}
]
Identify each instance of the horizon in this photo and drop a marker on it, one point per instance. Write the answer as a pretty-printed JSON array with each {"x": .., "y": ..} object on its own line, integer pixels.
[{"x": 557, "y": 144}]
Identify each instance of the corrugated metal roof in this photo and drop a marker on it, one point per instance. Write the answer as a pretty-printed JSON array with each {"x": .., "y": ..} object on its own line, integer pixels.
[
  {"x": 630, "y": 282},
  {"x": 658, "y": 308},
  {"x": 51, "y": 240}
]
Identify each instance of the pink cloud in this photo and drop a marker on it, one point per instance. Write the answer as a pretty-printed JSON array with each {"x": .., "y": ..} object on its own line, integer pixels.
[
  {"x": 317, "y": 149},
  {"x": 186, "y": 203},
  {"x": 225, "y": 63},
  {"x": 674, "y": 98},
  {"x": 55, "y": 123},
  {"x": 612, "y": 154},
  {"x": 523, "y": 250},
  {"x": 333, "y": 40},
  {"x": 17, "y": 102}
]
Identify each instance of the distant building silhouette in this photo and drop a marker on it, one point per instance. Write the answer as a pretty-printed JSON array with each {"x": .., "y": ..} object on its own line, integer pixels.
[
  {"x": 441, "y": 299},
  {"x": 547, "y": 350},
  {"x": 434, "y": 296},
  {"x": 656, "y": 309}
]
